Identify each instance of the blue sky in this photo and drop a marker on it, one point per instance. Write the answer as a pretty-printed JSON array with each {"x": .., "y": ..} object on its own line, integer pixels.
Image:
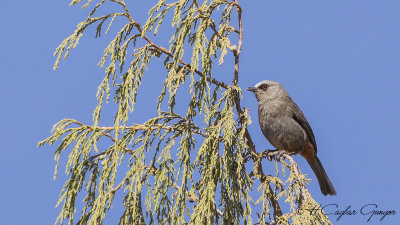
[{"x": 339, "y": 60}]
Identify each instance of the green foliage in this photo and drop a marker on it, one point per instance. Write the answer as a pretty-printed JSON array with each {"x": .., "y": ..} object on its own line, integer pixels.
[{"x": 187, "y": 173}]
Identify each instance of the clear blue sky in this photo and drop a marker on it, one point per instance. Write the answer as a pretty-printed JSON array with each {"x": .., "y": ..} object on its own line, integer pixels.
[{"x": 339, "y": 60}]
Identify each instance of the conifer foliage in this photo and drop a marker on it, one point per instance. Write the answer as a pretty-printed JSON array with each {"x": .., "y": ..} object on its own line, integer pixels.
[{"x": 196, "y": 167}]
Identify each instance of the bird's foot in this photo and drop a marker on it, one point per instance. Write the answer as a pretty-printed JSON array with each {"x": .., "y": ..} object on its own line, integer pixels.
[{"x": 274, "y": 154}]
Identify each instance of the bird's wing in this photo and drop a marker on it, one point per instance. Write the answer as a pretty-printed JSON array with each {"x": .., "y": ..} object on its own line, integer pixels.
[{"x": 299, "y": 117}]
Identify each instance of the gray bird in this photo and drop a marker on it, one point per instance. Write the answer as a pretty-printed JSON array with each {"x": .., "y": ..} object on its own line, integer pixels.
[{"x": 286, "y": 128}]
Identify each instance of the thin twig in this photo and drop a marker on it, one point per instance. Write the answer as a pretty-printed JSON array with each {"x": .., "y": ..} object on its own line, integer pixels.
[
  {"x": 115, "y": 189},
  {"x": 237, "y": 51},
  {"x": 212, "y": 24}
]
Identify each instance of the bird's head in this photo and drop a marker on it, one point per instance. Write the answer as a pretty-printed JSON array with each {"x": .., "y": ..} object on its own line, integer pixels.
[{"x": 267, "y": 89}]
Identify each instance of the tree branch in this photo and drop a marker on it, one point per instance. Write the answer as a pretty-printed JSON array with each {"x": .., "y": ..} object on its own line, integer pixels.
[
  {"x": 282, "y": 154},
  {"x": 237, "y": 51},
  {"x": 164, "y": 50},
  {"x": 258, "y": 171}
]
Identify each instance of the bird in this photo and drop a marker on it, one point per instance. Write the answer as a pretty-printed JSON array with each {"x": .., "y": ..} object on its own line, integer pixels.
[{"x": 286, "y": 128}]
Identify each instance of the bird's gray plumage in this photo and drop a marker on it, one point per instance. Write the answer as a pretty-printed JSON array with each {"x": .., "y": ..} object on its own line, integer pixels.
[
  {"x": 280, "y": 119},
  {"x": 286, "y": 128}
]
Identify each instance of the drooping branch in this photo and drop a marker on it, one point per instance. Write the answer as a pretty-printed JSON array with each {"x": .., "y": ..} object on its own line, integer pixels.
[
  {"x": 185, "y": 64},
  {"x": 165, "y": 51},
  {"x": 150, "y": 169}
]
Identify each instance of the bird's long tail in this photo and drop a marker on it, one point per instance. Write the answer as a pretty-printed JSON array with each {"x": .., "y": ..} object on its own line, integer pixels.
[{"x": 323, "y": 179}]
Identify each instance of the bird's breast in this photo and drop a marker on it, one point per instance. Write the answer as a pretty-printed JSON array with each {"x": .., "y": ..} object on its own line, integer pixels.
[{"x": 280, "y": 129}]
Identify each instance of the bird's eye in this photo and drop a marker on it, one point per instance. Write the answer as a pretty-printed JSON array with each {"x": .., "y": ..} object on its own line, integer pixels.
[{"x": 264, "y": 86}]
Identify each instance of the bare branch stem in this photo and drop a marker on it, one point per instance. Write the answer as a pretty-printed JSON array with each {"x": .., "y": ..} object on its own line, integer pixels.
[
  {"x": 258, "y": 171},
  {"x": 237, "y": 51}
]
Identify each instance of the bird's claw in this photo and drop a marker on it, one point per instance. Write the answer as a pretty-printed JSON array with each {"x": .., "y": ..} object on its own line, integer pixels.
[{"x": 275, "y": 154}]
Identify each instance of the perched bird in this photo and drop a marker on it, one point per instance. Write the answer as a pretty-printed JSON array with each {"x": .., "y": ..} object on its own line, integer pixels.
[{"x": 286, "y": 128}]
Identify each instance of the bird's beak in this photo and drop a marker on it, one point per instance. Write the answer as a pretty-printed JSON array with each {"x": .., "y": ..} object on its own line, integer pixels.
[{"x": 253, "y": 89}]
